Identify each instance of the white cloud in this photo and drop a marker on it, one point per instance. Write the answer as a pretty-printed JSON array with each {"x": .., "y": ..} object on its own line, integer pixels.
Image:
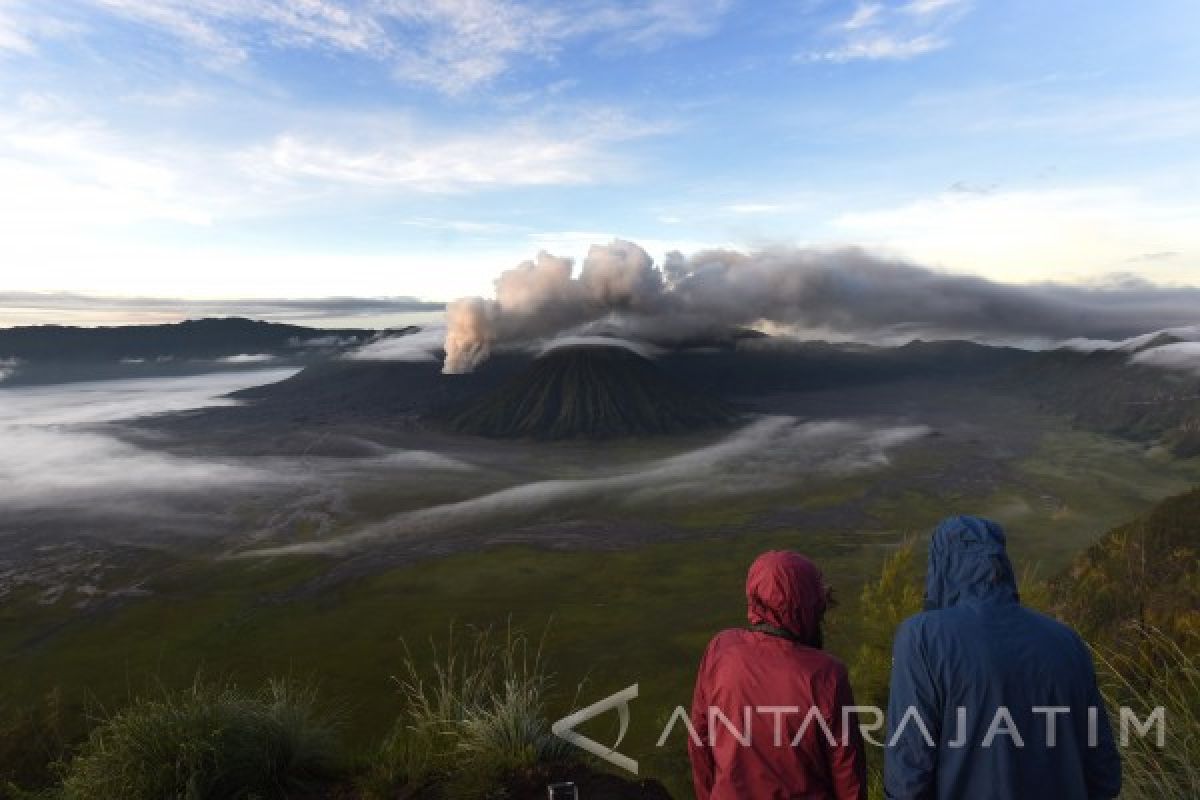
[
  {"x": 465, "y": 227},
  {"x": 885, "y": 47},
  {"x": 59, "y": 169},
  {"x": 86, "y": 207},
  {"x": 219, "y": 31},
  {"x": 922, "y": 7},
  {"x": 247, "y": 358},
  {"x": 452, "y": 46},
  {"x": 643, "y": 349},
  {"x": 455, "y": 46},
  {"x": 424, "y": 345},
  {"x": 755, "y": 208},
  {"x": 23, "y": 24},
  {"x": 1178, "y": 356},
  {"x": 1191, "y": 334},
  {"x": 877, "y": 32},
  {"x": 1083, "y": 344},
  {"x": 460, "y": 45},
  {"x": 576, "y": 244},
  {"x": 8, "y": 368},
  {"x": 863, "y": 16},
  {"x": 12, "y": 38},
  {"x": 519, "y": 156},
  {"x": 1030, "y": 234}
]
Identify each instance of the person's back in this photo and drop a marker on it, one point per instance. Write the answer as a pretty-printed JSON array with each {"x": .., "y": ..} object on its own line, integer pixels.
[
  {"x": 773, "y": 676},
  {"x": 1007, "y": 695}
]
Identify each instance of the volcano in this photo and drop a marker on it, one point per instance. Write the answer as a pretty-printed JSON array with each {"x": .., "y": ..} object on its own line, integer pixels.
[{"x": 589, "y": 392}]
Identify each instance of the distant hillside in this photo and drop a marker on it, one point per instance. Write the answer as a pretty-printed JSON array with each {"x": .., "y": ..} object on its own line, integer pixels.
[
  {"x": 202, "y": 338},
  {"x": 1103, "y": 391},
  {"x": 1145, "y": 571},
  {"x": 765, "y": 366},
  {"x": 407, "y": 393},
  {"x": 589, "y": 392},
  {"x": 45, "y": 354},
  {"x": 353, "y": 390}
]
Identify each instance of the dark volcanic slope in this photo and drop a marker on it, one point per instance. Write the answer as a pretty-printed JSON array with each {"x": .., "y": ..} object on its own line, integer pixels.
[
  {"x": 414, "y": 395},
  {"x": 589, "y": 392}
]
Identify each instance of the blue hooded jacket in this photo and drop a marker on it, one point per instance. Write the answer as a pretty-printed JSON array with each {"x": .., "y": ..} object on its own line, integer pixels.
[{"x": 974, "y": 652}]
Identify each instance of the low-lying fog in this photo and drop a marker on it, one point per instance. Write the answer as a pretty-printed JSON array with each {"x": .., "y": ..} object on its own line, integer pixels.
[
  {"x": 57, "y": 451},
  {"x": 766, "y": 454},
  {"x": 64, "y": 457},
  {"x": 63, "y": 452}
]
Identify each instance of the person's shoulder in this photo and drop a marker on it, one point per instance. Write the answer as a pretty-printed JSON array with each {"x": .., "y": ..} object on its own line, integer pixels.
[
  {"x": 827, "y": 663},
  {"x": 1050, "y": 627},
  {"x": 932, "y": 629},
  {"x": 742, "y": 643},
  {"x": 727, "y": 639},
  {"x": 914, "y": 627}
]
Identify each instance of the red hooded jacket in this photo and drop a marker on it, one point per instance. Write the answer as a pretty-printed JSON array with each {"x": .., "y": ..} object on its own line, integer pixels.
[{"x": 768, "y": 701}]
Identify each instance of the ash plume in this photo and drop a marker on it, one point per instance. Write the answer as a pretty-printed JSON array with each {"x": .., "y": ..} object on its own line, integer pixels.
[
  {"x": 541, "y": 297},
  {"x": 847, "y": 291}
]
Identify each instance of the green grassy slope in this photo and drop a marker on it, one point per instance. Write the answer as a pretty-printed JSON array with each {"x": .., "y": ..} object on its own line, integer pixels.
[{"x": 1146, "y": 571}]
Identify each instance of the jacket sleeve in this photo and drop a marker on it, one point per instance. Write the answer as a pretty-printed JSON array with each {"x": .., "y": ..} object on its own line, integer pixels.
[
  {"x": 1102, "y": 763},
  {"x": 847, "y": 760},
  {"x": 701, "y": 753},
  {"x": 910, "y": 764}
]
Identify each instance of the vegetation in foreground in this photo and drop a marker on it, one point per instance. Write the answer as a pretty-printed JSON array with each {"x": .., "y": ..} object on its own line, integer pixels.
[
  {"x": 479, "y": 722},
  {"x": 475, "y": 724},
  {"x": 210, "y": 742}
]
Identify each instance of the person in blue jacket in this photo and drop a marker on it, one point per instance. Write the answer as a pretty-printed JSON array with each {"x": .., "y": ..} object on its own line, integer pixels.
[{"x": 990, "y": 700}]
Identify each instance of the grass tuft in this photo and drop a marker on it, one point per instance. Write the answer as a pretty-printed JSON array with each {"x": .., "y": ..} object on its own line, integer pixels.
[
  {"x": 474, "y": 723},
  {"x": 208, "y": 742},
  {"x": 1152, "y": 670}
]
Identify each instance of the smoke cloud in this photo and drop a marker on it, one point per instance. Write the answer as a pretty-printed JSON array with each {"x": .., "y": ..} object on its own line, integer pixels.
[
  {"x": 846, "y": 291},
  {"x": 542, "y": 297}
]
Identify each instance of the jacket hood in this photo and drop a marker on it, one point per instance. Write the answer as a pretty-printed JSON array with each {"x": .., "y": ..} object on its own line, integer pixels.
[
  {"x": 968, "y": 562},
  {"x": 787, "y": 591}
]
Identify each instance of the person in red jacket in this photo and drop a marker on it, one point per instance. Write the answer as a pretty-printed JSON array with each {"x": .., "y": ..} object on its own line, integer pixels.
[{"x": 769, "y": 707}]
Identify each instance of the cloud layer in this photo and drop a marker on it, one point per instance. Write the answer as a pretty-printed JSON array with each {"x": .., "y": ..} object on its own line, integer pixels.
[
  {"x": 39, "y": 307},
  {"x": 1179, "y": 356},
  {"x": 60, "y": 454},
  {"x": 764, "y": 455},
  {"x": 57, "y": 456}
]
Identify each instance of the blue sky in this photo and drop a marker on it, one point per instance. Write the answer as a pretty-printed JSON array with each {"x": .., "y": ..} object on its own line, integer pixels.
[{"x": 305, "y": 148}]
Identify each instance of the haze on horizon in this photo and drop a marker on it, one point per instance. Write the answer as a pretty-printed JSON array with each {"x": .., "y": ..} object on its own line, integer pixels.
[{"x": 168, "y": 158}]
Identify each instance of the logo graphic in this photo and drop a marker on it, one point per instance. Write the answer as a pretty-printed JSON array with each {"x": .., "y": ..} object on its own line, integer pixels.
[{"x": 565, "y": 728}]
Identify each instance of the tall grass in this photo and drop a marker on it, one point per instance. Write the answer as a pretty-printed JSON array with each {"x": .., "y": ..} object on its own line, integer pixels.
[
  {"x": 471, "y": 724},
  {"x": 33, "y": 739},
  {"x": 208, "y": 742},
  {"x": 1152, "y": 670},
  {"x": 883, "y": 604}
]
